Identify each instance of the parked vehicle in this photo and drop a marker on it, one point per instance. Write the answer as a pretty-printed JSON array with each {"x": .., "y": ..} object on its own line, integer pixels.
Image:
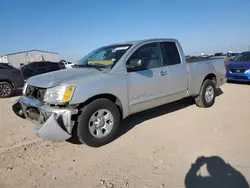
[
  {"x": 36, "y": 68},
  {"x": 238, "y": 69},
  {"x": 87, "y": 103},
  {"x": 230, "y": 56},
  {"x": 67, "y": 64},
  {"x": 191, "y": 58},
  {"x": 219, "y": 54},
  {"x": 10, "y": 80}
]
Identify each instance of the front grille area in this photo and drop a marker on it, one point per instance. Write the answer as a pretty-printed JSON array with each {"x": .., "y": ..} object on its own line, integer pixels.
[
  {"x": 33, "y": 113},
  {"x": 35, "y": 92},
  {"x": 240, "y": 77},
  {"x": 238, "y": 70}
]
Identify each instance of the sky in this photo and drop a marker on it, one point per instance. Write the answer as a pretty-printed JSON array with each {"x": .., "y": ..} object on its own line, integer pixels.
[{"x": 74, "y": 28}]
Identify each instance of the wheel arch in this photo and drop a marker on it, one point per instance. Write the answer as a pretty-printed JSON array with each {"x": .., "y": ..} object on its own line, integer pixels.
[
  {"x": 8, "y": 81},
  {"x": 212, "y": 77},
  {"x": 109, "y": 96}
]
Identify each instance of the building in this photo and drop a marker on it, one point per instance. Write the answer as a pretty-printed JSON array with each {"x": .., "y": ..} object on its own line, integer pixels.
[{"x": 19, "y": 58}]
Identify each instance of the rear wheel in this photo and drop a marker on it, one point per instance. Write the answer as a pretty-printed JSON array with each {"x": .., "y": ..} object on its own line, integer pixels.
[
  {"x": 207, "y": 95},
  {"x": 98, "y": 123},
  {"x": 6, "y": 89}
]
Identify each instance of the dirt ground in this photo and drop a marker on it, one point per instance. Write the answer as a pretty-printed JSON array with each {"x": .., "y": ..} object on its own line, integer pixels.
[{"x": 155, "y": 149}]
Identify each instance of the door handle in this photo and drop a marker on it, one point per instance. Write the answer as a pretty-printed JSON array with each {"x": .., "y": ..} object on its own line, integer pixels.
[{"x": 163, "y": 73}]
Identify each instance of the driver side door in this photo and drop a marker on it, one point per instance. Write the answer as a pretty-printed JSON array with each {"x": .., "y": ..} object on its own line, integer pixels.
[{"x": 147, "y": 88}]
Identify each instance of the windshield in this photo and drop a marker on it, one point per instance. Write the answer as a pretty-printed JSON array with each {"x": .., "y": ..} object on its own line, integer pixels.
[
  {"x": 242, "y": 57},
  {"x": 105, "y": 57}
]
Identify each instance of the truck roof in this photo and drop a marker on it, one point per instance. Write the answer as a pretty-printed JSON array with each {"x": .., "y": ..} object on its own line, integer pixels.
[{"x": 141, "y": 41}]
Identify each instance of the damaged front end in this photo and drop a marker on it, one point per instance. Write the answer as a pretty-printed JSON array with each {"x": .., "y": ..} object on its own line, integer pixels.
[{"x": 53, "y": 123}]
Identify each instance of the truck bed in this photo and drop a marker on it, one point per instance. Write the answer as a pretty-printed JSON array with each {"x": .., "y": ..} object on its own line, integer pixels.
[{"x": 198, "y": 70}]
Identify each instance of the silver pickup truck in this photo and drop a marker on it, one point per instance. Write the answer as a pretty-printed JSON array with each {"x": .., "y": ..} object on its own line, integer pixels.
[{"x": 88, "y": 102}]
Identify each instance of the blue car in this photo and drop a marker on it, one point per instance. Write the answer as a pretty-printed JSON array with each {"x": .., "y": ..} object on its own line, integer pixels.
[{"x": 238, "y": 69}]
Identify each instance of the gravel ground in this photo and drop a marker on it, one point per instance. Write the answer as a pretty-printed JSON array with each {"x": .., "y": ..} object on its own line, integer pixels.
[{"x": 155, "y": 149}]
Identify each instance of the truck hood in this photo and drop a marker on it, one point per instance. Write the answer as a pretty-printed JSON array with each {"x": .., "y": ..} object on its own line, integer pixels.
[
  {"x": 56, "y": 78},
  {"x": 239, "y": 65}
]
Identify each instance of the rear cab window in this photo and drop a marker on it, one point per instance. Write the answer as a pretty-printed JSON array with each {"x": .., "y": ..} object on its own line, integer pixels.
[{"x": 171, "y": 53}]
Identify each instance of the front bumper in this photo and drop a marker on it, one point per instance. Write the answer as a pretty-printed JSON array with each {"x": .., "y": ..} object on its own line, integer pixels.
[
  {"x": 241, "y": 77},
  {"x": 51, "y": 123}
]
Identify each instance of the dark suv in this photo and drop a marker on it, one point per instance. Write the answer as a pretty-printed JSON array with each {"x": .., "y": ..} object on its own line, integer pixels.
[
  {"x": 10, "y": 79},
  {"x": 36, "y": 68}
]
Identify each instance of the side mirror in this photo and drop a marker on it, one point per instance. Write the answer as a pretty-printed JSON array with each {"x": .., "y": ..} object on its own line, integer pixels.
[{"x": 136, "y": 64}]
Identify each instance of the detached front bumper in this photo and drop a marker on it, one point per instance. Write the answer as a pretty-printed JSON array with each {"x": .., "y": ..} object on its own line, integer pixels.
[{"x": 51, "y": 123}]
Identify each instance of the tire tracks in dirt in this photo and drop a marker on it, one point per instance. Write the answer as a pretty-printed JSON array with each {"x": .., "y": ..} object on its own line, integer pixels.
[{"x": 20, "y": 145}]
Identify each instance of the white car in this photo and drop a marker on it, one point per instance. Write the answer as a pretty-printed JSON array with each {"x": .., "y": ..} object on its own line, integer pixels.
[{"x": 67, "y": 64}]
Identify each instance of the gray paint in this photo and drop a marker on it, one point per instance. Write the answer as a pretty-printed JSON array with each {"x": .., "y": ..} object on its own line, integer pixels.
[
  {"x": 137, "y": 91},
  {"x": 50, "y": 129},
  {"x": 150, "y": 92}
]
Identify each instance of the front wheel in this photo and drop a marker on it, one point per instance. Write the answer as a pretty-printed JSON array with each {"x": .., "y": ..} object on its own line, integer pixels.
[
  {"x": 207, "y": 95},
  {"x": 98, "y": 123},
  {"x": 6, "y": 89}
]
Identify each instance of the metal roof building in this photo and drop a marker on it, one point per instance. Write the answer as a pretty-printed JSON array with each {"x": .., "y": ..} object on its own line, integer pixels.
[{"x": 24, "y": 57}]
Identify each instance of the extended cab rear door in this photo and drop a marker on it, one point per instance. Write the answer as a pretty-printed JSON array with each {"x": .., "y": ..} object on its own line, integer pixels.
[{"x": 177, "y": 70}]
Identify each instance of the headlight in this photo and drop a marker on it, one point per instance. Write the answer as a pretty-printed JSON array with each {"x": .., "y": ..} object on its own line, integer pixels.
[
  {"x": 247, "y": 71},
  {"x": 24, "y": 88},
  {"x": 59, "y": 94}
]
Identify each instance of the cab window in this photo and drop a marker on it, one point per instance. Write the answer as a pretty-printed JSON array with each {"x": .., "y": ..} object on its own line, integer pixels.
[
  {"x": 171, "y": 53},
  {"x": 150, "y": 53}
]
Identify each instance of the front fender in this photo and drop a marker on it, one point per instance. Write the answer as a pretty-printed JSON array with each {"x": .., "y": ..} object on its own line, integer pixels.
[{"x": 115, "y": 85}]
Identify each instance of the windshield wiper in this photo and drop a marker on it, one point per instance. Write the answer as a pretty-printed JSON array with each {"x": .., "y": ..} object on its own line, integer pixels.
[{"x": 90, "y": 66}]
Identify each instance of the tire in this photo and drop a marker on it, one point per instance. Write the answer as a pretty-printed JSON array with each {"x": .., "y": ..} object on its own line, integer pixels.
[
  {"x": 201, "y": 100},
  {"x": 6, "y": 89},
  {"x": 85, "y": 120}
]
